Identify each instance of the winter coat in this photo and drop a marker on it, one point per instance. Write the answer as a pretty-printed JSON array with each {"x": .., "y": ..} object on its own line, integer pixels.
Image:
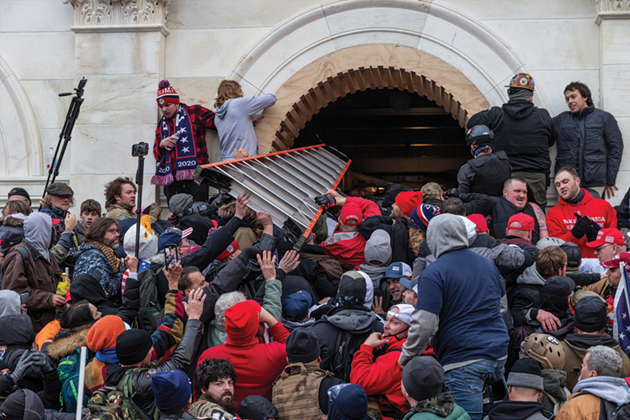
[
  {"x": 141, "y": 382},
  {"x": 119, "y": 212},
  {"x": 206, "y": 409},
  {"x": 86, "y": 287},
  {"x": 437, "y": 408},
  {"x": 257, "y": 365},
  {"x": 501, "y": 214},
  {"x": 518, "y": 410},
  {"x": 527, "y": 297},
  {"x": 524, "y": 131},
  {"x": 586, "y": 401},
  {"x": 591, "y": 143},
  {"x": 575, "y": 348},
  {"x": 92, "y": 261},
  {"x": 623, "y": 211},
  {"x": 359, "y": 322},
  {"x": 484, "y": 174},
  {"x": 233, "y": 120},
  {"x": 16, "y": 333},
  {"x": 380, "y": 377},
  {"x": 561, "y": 219},
  {"x": 40, "y": 282}
]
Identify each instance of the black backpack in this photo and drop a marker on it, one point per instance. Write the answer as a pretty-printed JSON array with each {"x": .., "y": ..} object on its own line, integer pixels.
[{"x": 347, "y": 344}]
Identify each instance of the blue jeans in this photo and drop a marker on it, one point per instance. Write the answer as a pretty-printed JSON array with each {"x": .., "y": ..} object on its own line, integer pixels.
[{"x": 466, "y": 384}]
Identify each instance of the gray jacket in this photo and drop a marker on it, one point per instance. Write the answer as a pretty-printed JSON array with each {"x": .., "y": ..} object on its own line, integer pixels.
[{"x": 234, "y": 123}]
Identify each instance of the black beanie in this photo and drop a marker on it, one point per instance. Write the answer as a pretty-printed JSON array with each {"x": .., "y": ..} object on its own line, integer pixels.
[
  {"x": 255, "y": 407},
  {"x": 423, "y": 377},
  {"x": 527, "y": 374},
  {"x": 132, "y": 346},
  {"x": 590, "y": 314},
  {"x": 574, "y": 255},
  {"x": 302, "y": 346},
  {"x": 23, "y": 404}
]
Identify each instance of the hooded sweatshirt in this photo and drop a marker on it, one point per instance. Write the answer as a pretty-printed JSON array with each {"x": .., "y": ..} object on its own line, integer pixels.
[
  {"x": 38, "y": 232},
  {"x": 591, "y": 395},
  {"x": 461, "y": 295},
  {"x": 377, "y": 250},
  {"x": 527, "y": 297},
  {"x": 9, "y": 303},
  {"x": 233, "y": 120}
]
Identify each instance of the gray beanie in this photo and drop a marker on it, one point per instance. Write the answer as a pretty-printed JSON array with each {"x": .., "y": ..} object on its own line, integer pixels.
[{"x": 527, "y": 374}]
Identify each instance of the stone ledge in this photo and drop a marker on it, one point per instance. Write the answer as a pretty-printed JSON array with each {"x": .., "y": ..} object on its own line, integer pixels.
[
  {"x": 91, "y": 29},
  {"x": 612, "y": 16}
]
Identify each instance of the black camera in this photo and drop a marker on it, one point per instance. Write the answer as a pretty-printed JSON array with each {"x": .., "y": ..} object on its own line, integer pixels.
[{"x": 140, "y": 149}]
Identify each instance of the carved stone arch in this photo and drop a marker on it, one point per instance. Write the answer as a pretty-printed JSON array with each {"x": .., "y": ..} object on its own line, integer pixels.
[
  {"x": 20, "y": 144},
  {"x": 361, "y": 79}
]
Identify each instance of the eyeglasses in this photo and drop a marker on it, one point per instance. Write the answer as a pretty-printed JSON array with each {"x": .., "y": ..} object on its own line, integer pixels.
[
  {"x": 599, "y": 248},
  {"x": 114, "y": 230}
]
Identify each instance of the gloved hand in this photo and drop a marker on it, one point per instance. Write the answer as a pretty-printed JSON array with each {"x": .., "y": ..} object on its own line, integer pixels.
[
  {"x": 453, "y": 192},
  {"x": 23, "y": 364},
  {"x": 584, "y": 226},
  {"x": 251, "y": 252},
  {"x": 42, "y": 361},
  {"x": 325, "y": 200}
]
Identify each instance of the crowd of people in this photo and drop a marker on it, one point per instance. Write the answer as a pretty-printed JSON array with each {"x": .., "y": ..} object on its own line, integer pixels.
[{"x": 476, "y": 302}]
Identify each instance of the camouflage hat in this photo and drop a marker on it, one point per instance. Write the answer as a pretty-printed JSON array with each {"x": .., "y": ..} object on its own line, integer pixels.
[
  {"x": 432, "y": 189},
  {"x": 60, "y": 190}
]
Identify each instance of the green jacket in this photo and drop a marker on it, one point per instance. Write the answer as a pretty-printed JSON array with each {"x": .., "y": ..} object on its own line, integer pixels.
[{"x": 437, "y": 408}]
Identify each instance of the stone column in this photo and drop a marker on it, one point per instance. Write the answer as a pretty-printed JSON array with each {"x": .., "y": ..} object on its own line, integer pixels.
[
  {"x": 613, "y": 18},
  {"x": 119, "y": 48}
]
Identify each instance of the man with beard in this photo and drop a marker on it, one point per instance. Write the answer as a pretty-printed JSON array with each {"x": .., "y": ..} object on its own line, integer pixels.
[
  {"x": 214, "y": 384},
  {"x": 97, "y": 257},
  {"x": 120, "y": 196}
]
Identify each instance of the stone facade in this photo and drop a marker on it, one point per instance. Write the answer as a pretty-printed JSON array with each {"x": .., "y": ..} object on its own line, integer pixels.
[{"x": 124, "y": 47}]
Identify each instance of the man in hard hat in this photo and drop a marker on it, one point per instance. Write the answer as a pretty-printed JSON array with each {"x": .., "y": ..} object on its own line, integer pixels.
[{"x": 525, "y": 132}]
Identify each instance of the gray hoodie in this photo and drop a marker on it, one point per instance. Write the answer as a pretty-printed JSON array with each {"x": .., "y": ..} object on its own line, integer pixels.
[
  {"x": 38, "y": 232},
  {"x": 234, "y": 123},
  {"x": 446, "y": 232},
  {"x": 9, "y": 303},
  {"x": 378, "y": 252},
  {"x": 611, "y": 389},
  {"x": 531, "y": 276}
]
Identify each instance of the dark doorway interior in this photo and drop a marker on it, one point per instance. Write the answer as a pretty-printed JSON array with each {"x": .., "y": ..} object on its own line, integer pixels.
[{"x": 392, "y": 135}]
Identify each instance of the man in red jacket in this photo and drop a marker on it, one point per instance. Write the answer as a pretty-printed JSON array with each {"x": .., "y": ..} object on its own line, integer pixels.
[
  {"x": 375, "y": 365},
  {"x": 346, "y": 244},
  {"x": 257, "y": 364},
  {"x": 578, "y": 216}
]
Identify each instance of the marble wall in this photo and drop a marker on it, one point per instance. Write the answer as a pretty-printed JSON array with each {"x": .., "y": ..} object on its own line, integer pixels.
[{"x": 125, "y": 48}]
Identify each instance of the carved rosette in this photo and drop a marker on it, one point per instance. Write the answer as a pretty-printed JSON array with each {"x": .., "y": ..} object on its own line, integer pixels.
[
  {"x": 125, "y": 15},
  {"x": 612, "y": 9}
]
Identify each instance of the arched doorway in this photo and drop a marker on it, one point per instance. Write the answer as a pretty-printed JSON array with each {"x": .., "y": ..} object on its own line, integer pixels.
[{"x": 396, "y": 125}]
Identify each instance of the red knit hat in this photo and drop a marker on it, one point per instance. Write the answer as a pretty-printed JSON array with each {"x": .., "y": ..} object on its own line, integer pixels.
[
  {"x": 351, "y": 215},
  {"x": 407, "y": 201},
  {"x": 104, "y": 332},
  {"x": 241, "y": 321},
  {"x": 166, "y": 94}
]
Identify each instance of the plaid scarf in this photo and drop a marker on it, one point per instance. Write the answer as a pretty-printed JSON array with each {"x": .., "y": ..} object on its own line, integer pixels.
[
  {"x": 185, "y": 153},
  {"x": 109, "y": 254}
]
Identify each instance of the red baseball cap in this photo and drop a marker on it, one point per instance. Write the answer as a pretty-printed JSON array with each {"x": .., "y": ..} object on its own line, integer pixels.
[
  {"x": 607, "y": 236},
  {"x": 351, "y": 215},
  {"x": 527, "y": 222},
  {"x": 617, "y": 259},
  {"x": 480, "y": 222}
]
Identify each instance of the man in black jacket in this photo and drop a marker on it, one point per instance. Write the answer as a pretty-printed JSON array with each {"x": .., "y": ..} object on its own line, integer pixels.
[
  {"x": 589, "y": 140},
  {"x": 525, "y": 132}
]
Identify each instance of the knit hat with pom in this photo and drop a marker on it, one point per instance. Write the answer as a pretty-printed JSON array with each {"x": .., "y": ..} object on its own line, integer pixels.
[{"x": 166, "y": 94}]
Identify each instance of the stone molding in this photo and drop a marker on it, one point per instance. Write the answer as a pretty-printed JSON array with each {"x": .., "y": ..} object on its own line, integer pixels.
[
  {"x": 120, "y": 15},
  {"x": 19, "y": 132},
  {"x": 612, "y": 10}
]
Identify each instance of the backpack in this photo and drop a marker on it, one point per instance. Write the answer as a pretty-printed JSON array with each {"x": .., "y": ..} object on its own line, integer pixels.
[
  {"x": 69, "y": 369},
  {"x": 609, "y": 411},
  {"x": 150, "y": 306},
  {"x": 347, "y": 344},
  {"x": 116, "y": 403}
]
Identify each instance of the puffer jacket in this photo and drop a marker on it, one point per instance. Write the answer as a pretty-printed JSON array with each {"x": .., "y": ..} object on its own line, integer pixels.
[
  {"x": 180, "y": 359},
  {"x": 591, "y": 143},
  {"x": 92, "y": 261},
  {"x": 524, "y": 131}
]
